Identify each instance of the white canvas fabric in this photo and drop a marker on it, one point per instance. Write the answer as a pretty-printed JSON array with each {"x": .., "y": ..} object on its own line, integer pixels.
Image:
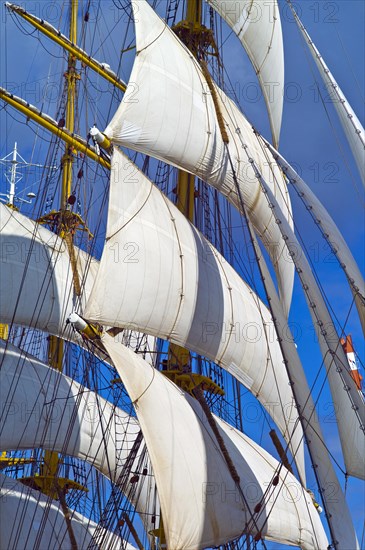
[
  {"x": 29, "y": 520},
  {"x": 159, "y": 275},
  {"x": 341, "y": 522},
  {"x": 168, "y": 112},
  {"x": 258, "y": 26},
  {"x": 36, "y": 283},
  {"x": 348, "y": 401},
  {"x": 201, "y": 505},
  {"x": 41, "y": 407}
]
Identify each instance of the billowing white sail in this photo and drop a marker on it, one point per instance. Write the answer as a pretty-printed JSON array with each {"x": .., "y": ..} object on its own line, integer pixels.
[
  {"x": 159, "y": 275},
  {"x": 201, "y": 504},
  {"x": 168, "y": 112},
  {"x": 41, "y": 407},
  {"x": 36, "y": 283},
  {"x": 348, "y": 401},
  {"x": 29, "y": 519},
  {"x": 258, "y": 26},
  {"x": 351, "y": 125},
  {"x": 331, "y": 233},
  {"x": 60, "y": 414}
]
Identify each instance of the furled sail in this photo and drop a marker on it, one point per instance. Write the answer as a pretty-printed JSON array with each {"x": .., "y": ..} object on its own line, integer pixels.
[
  {"x": 36, "y": 283},
  {"x": 159, "y": 275},
  {"x": 41, "y": 407},
  {"x": 258, "y": 26},
  {"x": 29, "y": 519},
  {"x": 331, "y": 233},
  {"x": 351, "y": 125},
  {"x": 349, "y": 402},
  {"x": 201, "y": 505},
  {"x": 168, "y": 112}
]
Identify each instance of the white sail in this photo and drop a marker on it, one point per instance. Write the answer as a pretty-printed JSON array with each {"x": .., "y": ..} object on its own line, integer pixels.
[
  {"x": 348, "y": 401},
  {"x": 60, "y": 414},
  {"x": 331, "y": 233},
  {"x": 168, "y": 112},
  {"x": 41, "y": 407},
  {"x": 258, "y": 26},
  {"x": 351, "y": 125},
  {"x": 336, "y": 509},
  {"x": 201, "y": 505},
  {"x": 29, "y": 519},
  {"x": 159, "y": 275},
  {"x": 36, "y": 283}
]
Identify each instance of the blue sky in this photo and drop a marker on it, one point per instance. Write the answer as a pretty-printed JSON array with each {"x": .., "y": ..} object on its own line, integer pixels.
[{"x": 307, "y": 139}]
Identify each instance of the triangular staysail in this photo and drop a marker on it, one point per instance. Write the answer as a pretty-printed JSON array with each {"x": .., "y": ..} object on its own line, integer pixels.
[
  {"x": 169, "y": 112},
  {"x": 351, "y": 125},
  {"x": 350, "y": 404},
  {"x": 159, "y": 275},
  {"x": 330, "y": 232},
  {"x": 258, "y": 26},
  {"x": 337, "y": 510}
]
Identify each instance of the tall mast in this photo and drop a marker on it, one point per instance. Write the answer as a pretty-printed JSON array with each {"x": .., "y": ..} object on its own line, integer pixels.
[
  {"x": 179, "y": 357},
  {"x": 49, "y": 482},
  {"x": 186, "y": 182},
  {"x": 71, "y": 79},
  {"x": 198, "y": 39},
  {"x": 56, "y": 345}
]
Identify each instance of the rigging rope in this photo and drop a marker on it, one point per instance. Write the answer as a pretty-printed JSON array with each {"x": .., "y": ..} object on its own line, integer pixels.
[
  {"x": 256, "y": 250},
  {"x": 198, "y": 393}
]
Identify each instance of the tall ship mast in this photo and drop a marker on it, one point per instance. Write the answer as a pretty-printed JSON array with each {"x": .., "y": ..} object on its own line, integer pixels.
[{"x": 182, "y": 293}]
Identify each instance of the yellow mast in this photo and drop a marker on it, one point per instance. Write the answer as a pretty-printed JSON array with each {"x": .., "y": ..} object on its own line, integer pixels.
[
  {"x": 185, "y": 182},
  {"x": 194, "y": 12},
  {"x": 197, "y": 37},
  {"x": 56, "y": 345},
  {"x": 69, "y": 45},
  {"x": 186, "y": 191},
  {"x": 75, "y": 142},
  {"x": 71, "y": 78},
  {"x": 48, "y": 481},
  {"x": 193, "y": 33},
  {"x": 179, "y": 364}
]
